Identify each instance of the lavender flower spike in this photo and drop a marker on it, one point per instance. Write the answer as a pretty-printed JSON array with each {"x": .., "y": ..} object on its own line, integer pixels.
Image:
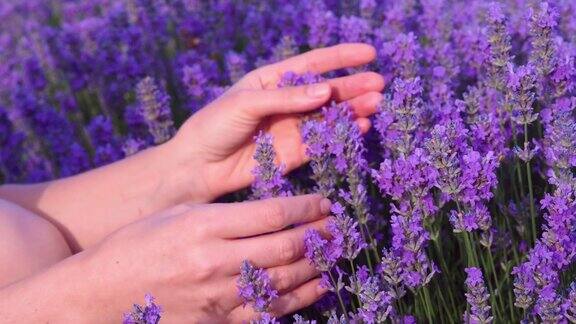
[
  {"x": 147, "y": 314},
  {"x": 268, "y": 180},
  {"x": 477, "y": 298},
  {"x": 155, "y": 109},
  {"x": 255, "y": 287},
  {"x": 321, "y": 253},
  {"x": 345, "y": 234}
]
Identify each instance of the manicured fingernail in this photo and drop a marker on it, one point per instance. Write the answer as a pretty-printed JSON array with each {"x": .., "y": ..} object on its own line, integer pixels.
[
  {"x": 325, "y": 205},
  {"x": 318, "y": 90}
]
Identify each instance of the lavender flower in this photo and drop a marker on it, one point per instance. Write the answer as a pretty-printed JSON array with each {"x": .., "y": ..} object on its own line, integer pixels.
[
  {"x": 400, "y": 115},
  {"x": 409, "y": 240},
  {"x": 322, "y": 24},
  {"x": 344, "y": 232},
  {"x": 255, "y": 287},
  {"x": 477, "y": 298},
  {"x": 500, "y": 46},
  {"x": 392, "y": 272},
  {"x": 404, "y": 55},
  {"x": 549, "y": 305},
  {"x": 150, "y": 313},
  {"x": 522, "y": 83},
  {"x": 543, "y": 19},
  {"x": 268, "y": 180},
  {"x": 321, "y": 253},
  {"x": 375, "y": 300},
  {"x": 235, "y": 63},
  {"x": 354, "y": 29},
  {"x": 569, "y": 305},
  {"x": 155, "y": 109}
]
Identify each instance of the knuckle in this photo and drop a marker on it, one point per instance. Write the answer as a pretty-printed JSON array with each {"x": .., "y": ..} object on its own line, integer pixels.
[
  {"x": 275, "y": 216},
  {"x": 287, "y": 251},
  {"x": 195, "y": 225},
  {"x": 309, "y": 205},
  {"x": 202, "y": 268},
  {"x": 284, "y": 280}
]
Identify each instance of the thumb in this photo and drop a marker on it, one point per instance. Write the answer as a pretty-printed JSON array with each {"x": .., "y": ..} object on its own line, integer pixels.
[{"x": 263, "y": 103}]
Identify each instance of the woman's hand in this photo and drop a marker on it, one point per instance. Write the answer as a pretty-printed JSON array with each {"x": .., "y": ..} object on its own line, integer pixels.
[
  {"x": 212, "y": 153},
  {"x": 216, "y": 144},
  {"x": 188, "y": 258}
]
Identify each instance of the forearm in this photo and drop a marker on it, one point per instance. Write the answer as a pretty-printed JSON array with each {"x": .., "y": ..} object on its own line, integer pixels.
[
  {"x": 89, "y": 206},
  {"x": 59, "y": 294}
]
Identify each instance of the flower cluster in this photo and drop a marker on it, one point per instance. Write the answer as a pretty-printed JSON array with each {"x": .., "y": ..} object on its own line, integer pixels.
[
  {"x": 477, "y": 298},
  {"x": 150, "y": 313},
  {"x": 268, "y": 180},
  {"x": 255, "y": 288}
]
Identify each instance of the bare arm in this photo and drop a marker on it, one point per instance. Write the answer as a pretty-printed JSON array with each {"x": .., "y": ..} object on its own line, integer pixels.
[
  {"x": 91, "y": 205},
  {"x": 28, "y": 243}
]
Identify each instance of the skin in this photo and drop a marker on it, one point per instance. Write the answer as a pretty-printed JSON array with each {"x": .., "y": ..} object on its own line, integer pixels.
[{"x": 144, "y": 224}]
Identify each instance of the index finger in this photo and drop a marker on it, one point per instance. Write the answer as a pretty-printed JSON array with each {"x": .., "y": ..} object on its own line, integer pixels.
[
  {"x": 266, "y": 216},
  {"x": 320, "y": 61}
]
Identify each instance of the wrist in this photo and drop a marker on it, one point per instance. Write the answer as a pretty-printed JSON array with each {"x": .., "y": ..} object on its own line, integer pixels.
[{"x": 184, "y": 173}]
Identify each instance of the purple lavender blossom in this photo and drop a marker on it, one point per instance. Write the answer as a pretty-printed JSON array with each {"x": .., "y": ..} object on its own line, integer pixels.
[
  {"x": 344, "y": 232},
  {"x": 477, "y": 298},
  {"x": 392, "y": 272},
  {"x": 409, "y": 241},
  {"x": 155, "y": 109},
  {"x": 268, "y": 180},
  {"x": 322, "y": 24},
  {"x": 475, "y": 218},
  {"x": 500, "y": 46},
  {"x": 374, "y": 298},
  {"x": 354, "y": 29},
  {"x": 150, "y": 313},
  {"x": 549, "y": 305},
  {"x": 521, "y": 82},
  {"x": 235, "y": 64},
  {"x": 403, "y": 54},
  {"x": 543, "y": 19},
  {"x": 255, "y": 287},
  {"x": 400, "y": 115},
  {"x": 321, "y": 253},
  {"x": 569, "y": 305}
]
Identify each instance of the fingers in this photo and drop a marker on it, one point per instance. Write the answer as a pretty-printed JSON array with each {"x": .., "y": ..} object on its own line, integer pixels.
[
  {"x": 288, "y": 277},
  {"x": 364, "y": 124},
  {"x": 320, "y": 61},
  {"x": 362, "y": 90},
  {"x": 351, "y": 86},
  {"x": 261, "y": 103},
  {"x": 272, "y": 250},
  {"x": 299, "y": 298},
  {"x": 366, "y": 104},
  {"x": 265, "y": 216}
]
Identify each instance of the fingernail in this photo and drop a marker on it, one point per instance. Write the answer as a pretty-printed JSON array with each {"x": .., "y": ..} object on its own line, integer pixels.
[
  {"x": 321, "y": 289},
  {"x": 325, "y": 205},
  {"x": 318, "y": 90}
]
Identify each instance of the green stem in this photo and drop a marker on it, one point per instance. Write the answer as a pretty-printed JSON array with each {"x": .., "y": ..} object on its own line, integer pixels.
[
  {"x": 340, "y": 300},
  {"x": 355, "y": 301},
  {"x": 518, "y": 168},
  {"x": 530, "y": 189},
  {"x": 428, "y": 303}
]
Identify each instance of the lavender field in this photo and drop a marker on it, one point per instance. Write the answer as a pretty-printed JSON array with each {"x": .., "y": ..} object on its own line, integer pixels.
[{"x": 459, "y": 203}]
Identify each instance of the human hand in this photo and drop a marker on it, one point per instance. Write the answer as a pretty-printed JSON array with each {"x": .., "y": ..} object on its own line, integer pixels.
[
  {"x": 189, "y": 258},
  {"x": 216, "y": 145}
]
